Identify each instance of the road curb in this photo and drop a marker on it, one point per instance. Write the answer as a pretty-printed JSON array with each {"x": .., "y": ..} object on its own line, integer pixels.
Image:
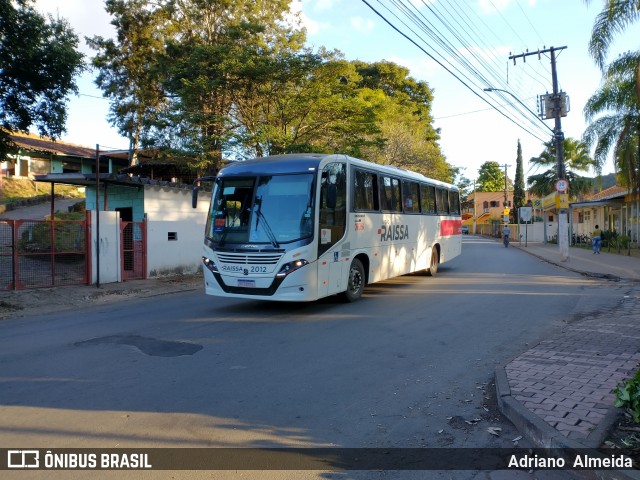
[
  {"x": 543, "y": 435},
  {"x": 565, "y": 265}
]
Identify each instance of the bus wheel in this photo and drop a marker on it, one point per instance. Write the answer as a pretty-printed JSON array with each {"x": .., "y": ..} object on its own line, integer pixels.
[
  {"x": 433, "y": 265},
  {"x": 355, "y": 282}
]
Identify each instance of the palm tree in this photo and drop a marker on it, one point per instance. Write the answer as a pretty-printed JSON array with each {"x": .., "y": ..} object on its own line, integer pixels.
[
  {"x": 576, "y": 158},
  {"x": 614, "y": 18},
  {"x": 617, "y": 126}
]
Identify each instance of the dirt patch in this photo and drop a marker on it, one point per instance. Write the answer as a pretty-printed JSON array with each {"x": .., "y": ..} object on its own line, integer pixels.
[{"x": 22, "y": 303}]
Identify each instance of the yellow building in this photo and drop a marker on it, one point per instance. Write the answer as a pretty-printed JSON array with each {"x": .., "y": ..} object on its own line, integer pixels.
[{"x": 487, "y": 209}]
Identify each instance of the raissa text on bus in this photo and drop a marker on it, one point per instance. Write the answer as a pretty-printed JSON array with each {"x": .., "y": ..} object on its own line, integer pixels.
[{"x": 299, "y": 227}]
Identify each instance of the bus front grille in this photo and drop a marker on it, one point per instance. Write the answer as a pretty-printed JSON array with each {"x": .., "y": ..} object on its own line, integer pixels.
[{"x": 249, "y": 259}]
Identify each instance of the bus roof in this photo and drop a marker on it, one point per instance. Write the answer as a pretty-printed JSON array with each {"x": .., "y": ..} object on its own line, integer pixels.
[
  {"x": 306, "y": 162},
  {"x": 276, "y": 164}
]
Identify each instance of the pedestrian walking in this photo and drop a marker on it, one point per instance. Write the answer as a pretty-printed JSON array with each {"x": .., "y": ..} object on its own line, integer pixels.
[{"x": 596, "y": 239}]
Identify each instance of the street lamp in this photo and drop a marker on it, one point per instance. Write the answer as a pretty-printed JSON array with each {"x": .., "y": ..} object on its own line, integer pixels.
[{"x": 491, "y": 89}]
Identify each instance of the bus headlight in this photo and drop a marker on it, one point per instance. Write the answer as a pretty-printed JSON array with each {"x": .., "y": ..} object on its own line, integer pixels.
[
  {"x": 209, "y": 264},
  {"x": 291, "y": 267}
]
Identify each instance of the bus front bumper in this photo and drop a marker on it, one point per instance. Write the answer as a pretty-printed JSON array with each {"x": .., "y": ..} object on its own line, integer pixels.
[{"x": 298, "y": 286}]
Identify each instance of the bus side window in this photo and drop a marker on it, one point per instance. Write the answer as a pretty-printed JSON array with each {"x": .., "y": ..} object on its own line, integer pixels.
[
  {"x": 390, "y": 194},
  {"x": 333, "y": 205},
  {"x": 410, "y": 202},
  {"x": 427, "y": 199},
  {"x": 442, "y": 200},
  {"x": 365, "y": 191},
  {"x": 454, "y": 202}
]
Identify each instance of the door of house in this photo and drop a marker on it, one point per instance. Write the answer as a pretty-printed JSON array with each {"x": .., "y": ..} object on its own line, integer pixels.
[{"x": 133, "y": 236}]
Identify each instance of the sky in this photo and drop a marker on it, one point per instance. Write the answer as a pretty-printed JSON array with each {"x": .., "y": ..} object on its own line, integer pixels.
[{"x": 459, "y": 47}]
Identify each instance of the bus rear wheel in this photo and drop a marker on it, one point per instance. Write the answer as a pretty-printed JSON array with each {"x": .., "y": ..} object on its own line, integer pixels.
[
  {"x": 433, "y": 265},
  {"x": 355, "y": 282}
]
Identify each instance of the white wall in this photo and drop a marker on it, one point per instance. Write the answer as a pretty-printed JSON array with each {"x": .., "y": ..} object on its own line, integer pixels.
[
  {"x": 169, "y": 210},
  {"x": 109, "y": 246}
]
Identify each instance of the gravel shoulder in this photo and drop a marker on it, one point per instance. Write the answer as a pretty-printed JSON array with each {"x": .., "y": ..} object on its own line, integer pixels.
[{"x": 22, "y": 303}]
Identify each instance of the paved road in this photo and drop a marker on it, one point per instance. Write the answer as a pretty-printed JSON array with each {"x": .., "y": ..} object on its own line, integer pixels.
[
  {"x": 38, "y": 212},
  {"x": 411, "y": 365}
]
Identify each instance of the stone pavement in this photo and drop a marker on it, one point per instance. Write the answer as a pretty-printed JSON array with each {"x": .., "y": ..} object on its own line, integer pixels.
[{"x": 559, "y": 393}]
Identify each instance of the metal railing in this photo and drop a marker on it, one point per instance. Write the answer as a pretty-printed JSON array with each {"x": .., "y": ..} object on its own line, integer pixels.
[{"x": 43, "y": 253}]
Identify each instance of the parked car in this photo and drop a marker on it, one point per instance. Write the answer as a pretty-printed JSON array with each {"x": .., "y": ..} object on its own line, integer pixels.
[{"x": 465, "y": 229}]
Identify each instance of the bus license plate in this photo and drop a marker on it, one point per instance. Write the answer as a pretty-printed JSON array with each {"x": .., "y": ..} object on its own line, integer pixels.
[{"x": 247, "y": 283}]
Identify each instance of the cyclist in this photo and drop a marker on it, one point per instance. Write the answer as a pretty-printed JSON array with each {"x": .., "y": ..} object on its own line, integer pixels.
[{"x": 506, "y": 233}]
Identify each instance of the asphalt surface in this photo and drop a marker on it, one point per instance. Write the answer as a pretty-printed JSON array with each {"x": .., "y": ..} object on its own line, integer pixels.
[
  {"x": 41, "y": 210},
  {"x": 559, "y": 393}
]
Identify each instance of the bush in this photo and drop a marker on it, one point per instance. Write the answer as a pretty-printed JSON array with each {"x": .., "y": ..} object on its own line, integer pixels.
[
  {"x": 37, "y": 239},
  {"x": 628, "y": 395}
]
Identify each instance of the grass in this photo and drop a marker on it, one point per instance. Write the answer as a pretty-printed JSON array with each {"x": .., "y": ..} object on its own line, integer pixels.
[{"x": 17, "y": 189}]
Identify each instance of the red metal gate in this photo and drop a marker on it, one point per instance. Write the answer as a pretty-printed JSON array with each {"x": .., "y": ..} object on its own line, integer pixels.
[
  {"x": 43, "y": 253},
  {"x": 133, "y": 261}
]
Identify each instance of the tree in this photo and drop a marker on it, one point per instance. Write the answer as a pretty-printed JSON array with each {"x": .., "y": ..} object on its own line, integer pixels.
[
  {"x": 615, "y": 119},
  {"x": 209, "y": 66},
  {"x": 576, "y": 159},
  {"x": 403, "y": 115},
  {"x": 518, "y": 184},
  {"x": 615, "y": 17},
  {"x": 303, "y": 101},
  {"x": 624, "y": 76},
  {"x": 39, "y": 61},
  {"x": 490, "y": 178},
  {"x": 127, "y": 67}
]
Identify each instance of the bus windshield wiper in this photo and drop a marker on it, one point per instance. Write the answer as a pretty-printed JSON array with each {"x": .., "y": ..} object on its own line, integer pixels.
[{"x": 267, "y": 228}]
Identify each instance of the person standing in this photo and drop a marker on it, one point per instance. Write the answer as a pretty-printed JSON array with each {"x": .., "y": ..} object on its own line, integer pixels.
[{"x": 596, "y": 239}]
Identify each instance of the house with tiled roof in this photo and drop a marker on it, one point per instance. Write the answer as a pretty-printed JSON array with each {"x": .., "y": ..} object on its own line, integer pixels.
[
  {"x": 612, "y": 209},
  {"x": 34, "y": 155}
]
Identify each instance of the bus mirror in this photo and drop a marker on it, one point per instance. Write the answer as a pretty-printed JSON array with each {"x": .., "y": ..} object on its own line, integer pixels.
[
  {"x": 194, "y": 197},
  {"x": 332, "y": 196}
]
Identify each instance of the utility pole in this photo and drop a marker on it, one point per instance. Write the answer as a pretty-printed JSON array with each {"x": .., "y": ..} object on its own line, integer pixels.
[
  {"x": 505, "y": 204},
  {"x": 558, "y": 108}
]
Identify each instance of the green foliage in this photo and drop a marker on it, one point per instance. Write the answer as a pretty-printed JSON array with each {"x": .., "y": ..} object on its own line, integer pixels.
[
  {"x": 576, "y": 159},
  {"x": 519, "y": 192},
  {"x": 628, "y": 396},
  {"x": 207, "y": 78},
  {"x": 614, "y": 113},
  {"x": 68, "y": 237},
  {"x": 38, "y": 63},
  {"x": 490, "y": 178},
  {"x": 128, "y": 69}
]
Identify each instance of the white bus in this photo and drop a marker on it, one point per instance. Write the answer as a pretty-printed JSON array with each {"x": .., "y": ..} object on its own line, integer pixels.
[{"x": 300, "y": 227}]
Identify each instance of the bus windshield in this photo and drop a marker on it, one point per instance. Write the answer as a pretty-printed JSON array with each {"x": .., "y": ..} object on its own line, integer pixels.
[{"x": 272, "y": 210}]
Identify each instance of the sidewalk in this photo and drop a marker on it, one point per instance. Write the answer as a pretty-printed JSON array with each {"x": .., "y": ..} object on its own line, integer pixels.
[{"x": 559, "y": 394}]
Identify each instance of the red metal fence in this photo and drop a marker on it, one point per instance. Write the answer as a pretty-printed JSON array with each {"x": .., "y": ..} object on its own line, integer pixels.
[{"x": 43, "y": 253}]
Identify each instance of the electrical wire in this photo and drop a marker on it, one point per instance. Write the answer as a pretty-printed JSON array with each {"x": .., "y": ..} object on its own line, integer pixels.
[
  {"x": 450, "y": 69},
  {"x": 448, "y": 35}
]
